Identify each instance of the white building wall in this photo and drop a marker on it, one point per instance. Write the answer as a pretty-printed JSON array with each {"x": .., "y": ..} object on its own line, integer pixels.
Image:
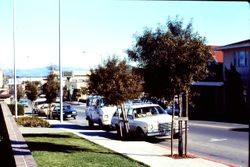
[{"x": 1, "y": 78}]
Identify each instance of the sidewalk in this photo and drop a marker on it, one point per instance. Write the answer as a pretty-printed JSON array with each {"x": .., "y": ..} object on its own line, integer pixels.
[{"x": 151, "y": 154}]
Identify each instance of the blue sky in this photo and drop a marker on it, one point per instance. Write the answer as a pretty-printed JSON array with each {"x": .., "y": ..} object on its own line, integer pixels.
[{"x": 95, "y": 29}]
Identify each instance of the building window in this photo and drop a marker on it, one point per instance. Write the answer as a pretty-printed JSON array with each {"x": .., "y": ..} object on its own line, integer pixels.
[{"x": 240, "y": 58}]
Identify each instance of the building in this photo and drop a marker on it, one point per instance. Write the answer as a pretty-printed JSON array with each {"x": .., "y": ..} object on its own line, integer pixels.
[
  {"x": 1, "y": 78},
  {"x": 75, "y": 80},
  {"x": 238, "y": 55},
  {"x": 217, "y": 55}
]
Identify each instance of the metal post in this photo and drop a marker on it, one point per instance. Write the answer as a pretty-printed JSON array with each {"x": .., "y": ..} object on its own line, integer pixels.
[
  {"x": 60, "y": 64},
  {"x": 186, "y": 123},
  {"x": 14, "y": 53},
  {"x": 172, "y": 128}
]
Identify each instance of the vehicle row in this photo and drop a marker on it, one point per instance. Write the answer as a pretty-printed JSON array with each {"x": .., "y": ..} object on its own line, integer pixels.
[
  {"x": 42, "y": 108},
  {"x": 144, "y": 119}
]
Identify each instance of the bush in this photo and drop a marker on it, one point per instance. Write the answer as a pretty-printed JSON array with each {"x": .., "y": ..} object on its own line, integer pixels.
[
  {"x": 82, "y": 100},
  {"x": 20, "y": 109},
  {"x": 32, "y": 122}
]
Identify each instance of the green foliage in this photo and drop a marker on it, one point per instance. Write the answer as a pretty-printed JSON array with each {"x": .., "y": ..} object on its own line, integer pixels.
[
  {"x": 32, "y": 122},
  {"x": 172, "y": 57},
  {"x": 84, "y": 90},
  {"x": 234, "y": 91},
  {"x": 31, "y": 90},
  {"x": 20, "y": 109},
  {"x": 20, "y": 92},
  {"x": 115, "y": 81},
  {"x": 51, "y": 88}
]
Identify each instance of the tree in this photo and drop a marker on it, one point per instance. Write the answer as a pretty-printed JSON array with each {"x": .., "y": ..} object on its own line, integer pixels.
[
  {"x": 172, "y": 58},
  {"x": 234, "y": 95},
  {"x": 31, "y": 89},
  {"x": 84, "y": 90},
  {"x": 51, "y": 89},
  {"x": 20, "y": 92},
  {"x": 115, "y": 81}
]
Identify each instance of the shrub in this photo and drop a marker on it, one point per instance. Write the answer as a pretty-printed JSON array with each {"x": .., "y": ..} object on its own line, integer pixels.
[
  {"x": 20, "y": 109},
  {"x": 32, "y": 122},
  {"x": 82, "y": 100}
]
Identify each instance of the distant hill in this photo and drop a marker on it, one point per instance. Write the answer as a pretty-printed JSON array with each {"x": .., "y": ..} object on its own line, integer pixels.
[{"x": 39, "y": 72}]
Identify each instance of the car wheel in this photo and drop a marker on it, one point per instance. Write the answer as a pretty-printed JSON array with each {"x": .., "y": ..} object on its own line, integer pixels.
[
  {"x": 118, "y": 132},
  {"x": 100, "y": 124},
  {"x": 74, "y": 117},
  {"x": 140, "y": 134},
  {"x": 91, "y": 123}
]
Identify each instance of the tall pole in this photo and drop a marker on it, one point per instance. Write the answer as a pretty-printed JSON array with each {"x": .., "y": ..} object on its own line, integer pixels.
[
  {"x": 186, "y": 122},
  {"x": 60, "y": 66},
  {"x": 14, "y": 56}
]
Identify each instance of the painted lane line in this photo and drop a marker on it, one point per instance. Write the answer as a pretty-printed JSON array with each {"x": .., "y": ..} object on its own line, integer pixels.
[{"x": 217, "y": 140}]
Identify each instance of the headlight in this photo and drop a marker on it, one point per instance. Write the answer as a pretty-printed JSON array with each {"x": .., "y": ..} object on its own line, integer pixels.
[{"x": 150, "y": 127}]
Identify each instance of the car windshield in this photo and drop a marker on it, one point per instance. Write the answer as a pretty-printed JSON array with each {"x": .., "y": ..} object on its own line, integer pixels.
[{"x": 148, "y": 111}]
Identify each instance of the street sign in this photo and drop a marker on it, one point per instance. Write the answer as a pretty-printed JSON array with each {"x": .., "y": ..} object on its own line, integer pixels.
[{"x": 67, "y": 74}]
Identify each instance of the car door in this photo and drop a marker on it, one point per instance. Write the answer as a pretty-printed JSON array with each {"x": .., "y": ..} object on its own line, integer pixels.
[
  {"x": 131, "y": 120},
  {"x": 95, "y": 110}
]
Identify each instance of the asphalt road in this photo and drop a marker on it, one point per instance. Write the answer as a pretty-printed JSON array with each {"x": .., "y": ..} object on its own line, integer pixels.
[{"x": 223, "y": 142}]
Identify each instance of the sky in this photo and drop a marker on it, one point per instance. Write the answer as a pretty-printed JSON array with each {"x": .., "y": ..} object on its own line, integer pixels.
[{"x": 93, "y": 30}]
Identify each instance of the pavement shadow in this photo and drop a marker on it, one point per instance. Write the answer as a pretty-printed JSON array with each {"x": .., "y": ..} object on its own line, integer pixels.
[
  {"x": 69, "y": 126},
  {"x": 240, "y": 129},
  {"x": 101, "y": 133},
  {"x": 106, "y": 133},
  {"x": 49, "y": 135},
  {"x": 57, "y": 147}
]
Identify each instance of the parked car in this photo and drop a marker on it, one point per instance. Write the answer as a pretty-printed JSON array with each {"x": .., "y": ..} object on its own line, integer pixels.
[
  {"x": 99, "y": 111},
  {"x": 68, "y": 112},
  {"x": 145, "y": 120},
  {"x": 171, "y": 109},
  {"x": 24, "y": 102},
  {"x": 40, "y": 106}
]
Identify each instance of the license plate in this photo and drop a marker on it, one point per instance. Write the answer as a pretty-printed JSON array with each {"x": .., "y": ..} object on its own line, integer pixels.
[{"x": 68, "y": 116}]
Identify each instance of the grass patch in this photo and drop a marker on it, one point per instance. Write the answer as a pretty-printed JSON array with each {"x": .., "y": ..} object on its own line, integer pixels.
[{"x": 69, "y": 150}]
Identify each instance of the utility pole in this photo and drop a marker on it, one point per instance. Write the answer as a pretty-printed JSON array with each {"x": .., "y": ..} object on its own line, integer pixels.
[
  {"x": 60, "y": 62},
  {"x": 14, "y": 55}
]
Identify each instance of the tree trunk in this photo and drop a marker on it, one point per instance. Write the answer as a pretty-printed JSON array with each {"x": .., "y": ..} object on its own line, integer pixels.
[
  {"x": 180, "y": 143},
  {"x": 125, "y": 121}
]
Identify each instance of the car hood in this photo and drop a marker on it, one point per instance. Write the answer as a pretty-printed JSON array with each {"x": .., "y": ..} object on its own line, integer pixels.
[{"x": 161, "y": 118}]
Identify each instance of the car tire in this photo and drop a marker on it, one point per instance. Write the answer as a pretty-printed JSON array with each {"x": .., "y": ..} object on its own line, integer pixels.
[
  {"x": 140, "y": 134},
  {"x": 118, "y": 132},
  {"x": 121, "y": 136},
  {"x": 101, "y": 124},
  {"x": 91, "y": 123}
]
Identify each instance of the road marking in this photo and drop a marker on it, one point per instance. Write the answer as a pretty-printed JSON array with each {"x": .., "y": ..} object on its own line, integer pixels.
[{"x": 217, "y": 140}]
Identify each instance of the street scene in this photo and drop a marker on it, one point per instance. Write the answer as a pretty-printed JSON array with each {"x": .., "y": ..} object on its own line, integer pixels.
[
  {"x": 124, "y": 83},
  {"x": 210, "y": 140}
]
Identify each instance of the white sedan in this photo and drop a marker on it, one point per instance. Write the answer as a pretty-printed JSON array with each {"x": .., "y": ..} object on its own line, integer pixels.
[{"x": 145, "y": 120}]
